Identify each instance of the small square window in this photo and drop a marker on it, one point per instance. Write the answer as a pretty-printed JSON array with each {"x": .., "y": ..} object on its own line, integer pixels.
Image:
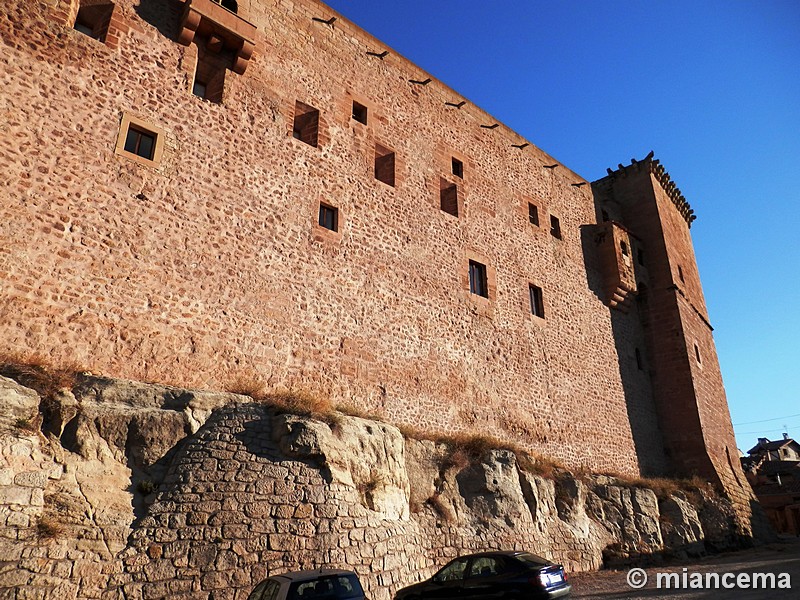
[
  {"x": 359, "y": 112},
  {"x": 555, "y": 227},
  {"x": 477, "y": 279},
  {"x": 458, "y": 168},
  {"x": 140, "y": 142},
  {"x": 448, "y": 197},
  {"x": 533, "y": 214},
  {"x": 537, "y": 301},
  {"x": 384, "y": 165},
  {"x": 306, "y": 124},
  {"x": 329, "y": 217}
]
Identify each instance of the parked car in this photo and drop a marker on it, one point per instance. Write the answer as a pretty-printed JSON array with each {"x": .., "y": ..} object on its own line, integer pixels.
[
  {"x": 518, "y": 575},
  {"x": 320, "y": 584}
]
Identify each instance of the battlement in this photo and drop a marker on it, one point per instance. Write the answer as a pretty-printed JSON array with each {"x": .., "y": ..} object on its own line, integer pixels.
[{"x": 654, "y": 166}]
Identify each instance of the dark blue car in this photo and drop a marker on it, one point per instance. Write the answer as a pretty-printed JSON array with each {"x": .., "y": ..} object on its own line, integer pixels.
[{"x": 488, "y": 575}]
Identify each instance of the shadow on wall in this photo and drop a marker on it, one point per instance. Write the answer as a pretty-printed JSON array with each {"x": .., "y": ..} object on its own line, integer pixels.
[
  {"x": 633, "y": 364},
  {"x": 164, "y": 15}
]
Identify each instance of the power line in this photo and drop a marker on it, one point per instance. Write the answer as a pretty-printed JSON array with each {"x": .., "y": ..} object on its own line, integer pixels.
[
  {"x": 762, "y": 431},
  {"x": 766, "y": 420}
]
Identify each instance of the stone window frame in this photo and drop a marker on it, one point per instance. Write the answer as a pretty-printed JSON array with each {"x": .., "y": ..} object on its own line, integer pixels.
[
  {"x": 138, "y": 123},
  {"x": 556, "y": 230},
  {"x": 540, "y": 305},
  {"x": 484, "y": 304},
  {"x": 322, "y": 234}
]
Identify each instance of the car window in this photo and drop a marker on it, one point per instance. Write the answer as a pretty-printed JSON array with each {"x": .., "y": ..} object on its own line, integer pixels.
[
  {"x": 257, "y": 593},
  {"x": 452, "y": 572},
  {"x": 486, "y": 566},
  {"x": 271, "y": 591},
  {"x": 531, "y": 560},
  {"x": 336, "y": 587}
]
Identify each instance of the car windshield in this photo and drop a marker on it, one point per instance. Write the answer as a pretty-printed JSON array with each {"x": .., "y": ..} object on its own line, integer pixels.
[
  {"x": 331, "y": 587},
  {"x": 531, "y": 560}
]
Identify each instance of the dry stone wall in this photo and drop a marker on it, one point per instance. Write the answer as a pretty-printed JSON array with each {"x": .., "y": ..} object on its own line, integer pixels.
[{"x": 149, "y": 492}]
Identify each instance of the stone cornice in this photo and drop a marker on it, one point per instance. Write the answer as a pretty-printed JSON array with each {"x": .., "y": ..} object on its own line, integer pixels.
[{"x": 662, "y": 176}]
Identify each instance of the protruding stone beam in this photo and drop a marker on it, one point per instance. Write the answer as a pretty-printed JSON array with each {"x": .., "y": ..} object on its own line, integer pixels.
[{"x": 208, "y": 19}]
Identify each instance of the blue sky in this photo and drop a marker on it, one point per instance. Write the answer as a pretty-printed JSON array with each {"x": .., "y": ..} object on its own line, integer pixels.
[{"x": 712, "y": 87}]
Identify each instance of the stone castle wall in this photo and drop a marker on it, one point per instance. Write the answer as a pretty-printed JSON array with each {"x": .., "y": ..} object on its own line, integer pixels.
[{"x": 210, "y": 267}]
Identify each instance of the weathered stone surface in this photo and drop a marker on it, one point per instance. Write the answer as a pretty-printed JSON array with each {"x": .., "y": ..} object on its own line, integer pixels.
[{"x": 131, "y": 502}]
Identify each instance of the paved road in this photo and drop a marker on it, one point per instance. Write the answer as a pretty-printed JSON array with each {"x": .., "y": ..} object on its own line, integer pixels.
[{"x": 783, "y": 557}]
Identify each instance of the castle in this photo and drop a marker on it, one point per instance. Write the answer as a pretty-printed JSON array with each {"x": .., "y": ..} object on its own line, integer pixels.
[{"x": 205, "y": 192}]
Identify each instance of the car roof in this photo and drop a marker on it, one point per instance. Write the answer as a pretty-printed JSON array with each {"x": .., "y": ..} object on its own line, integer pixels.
[
  {"x": 309, "y": 575},
  {"x": 506, "y": 553}
]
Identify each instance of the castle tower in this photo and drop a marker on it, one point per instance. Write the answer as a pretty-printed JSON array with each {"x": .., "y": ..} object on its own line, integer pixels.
[{"x": 648, "y": 222}]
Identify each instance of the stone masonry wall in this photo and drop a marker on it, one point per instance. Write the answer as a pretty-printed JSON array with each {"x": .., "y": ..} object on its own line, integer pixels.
[
  {"x": 145, "y": 492},
  {"x": 209, "y": 269}
]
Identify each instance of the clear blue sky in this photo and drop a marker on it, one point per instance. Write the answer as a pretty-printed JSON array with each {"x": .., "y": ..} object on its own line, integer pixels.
[{"x": 713, "y": 87}]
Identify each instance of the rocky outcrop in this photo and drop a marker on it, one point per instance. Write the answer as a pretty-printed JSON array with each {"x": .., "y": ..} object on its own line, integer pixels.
[{"x": 125, "y": 490}]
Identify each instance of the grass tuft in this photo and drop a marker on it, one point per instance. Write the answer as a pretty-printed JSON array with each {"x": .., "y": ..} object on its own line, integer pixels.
[{"x": 48, "y": 528}]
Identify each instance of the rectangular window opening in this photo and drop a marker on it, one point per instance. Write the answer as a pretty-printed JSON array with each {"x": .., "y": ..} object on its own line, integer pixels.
[
  {"x": 329, "y": 217},
  {"x": 458, "y": 168},
  {"x": 555, "y": 227},
  {"x": 140, "y": 142},
  {"x": 478, "y": 284},
  {"x": 537, "y": 300},
  {"x": 94, "y": 20},
  {"x": 306, "y": 124},
  {"x": 604, "y": 215},
  {"x": 209, "y": 76},
  {"x": 533, "y": 214},
  {"x": 448, "y": 197},
  {"x": 640, "y": 256},
  {"x": 359, "y": 112},
  {"x": 384, "y": 165}
]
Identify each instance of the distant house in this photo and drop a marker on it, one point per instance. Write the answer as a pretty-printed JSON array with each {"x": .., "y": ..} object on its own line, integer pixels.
[{"x": 773, "y": 469}]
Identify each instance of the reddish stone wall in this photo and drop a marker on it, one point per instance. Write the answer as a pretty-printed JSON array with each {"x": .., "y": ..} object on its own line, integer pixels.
[{"x": 210, "y": 266}]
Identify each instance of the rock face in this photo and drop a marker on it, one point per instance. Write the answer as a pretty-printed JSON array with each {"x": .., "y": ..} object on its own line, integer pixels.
[{"x": 143, "y": 491}]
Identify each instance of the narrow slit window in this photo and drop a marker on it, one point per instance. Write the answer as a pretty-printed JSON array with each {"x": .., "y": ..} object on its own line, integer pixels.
[
  {"x": 697, "y": 354},
  {"x": 478, "y": 284},
  {"x": 639, "y": 364},
  {"x": 384, "y": 165},
  {"x": 140, "y": 142},
  {"x": 604, "y": 215},
  {"x": 640, "y": 256},
  {"x": 533, "y": 214},
  {"x": 359, "y": 112},
  {"x": 537, "y": 300},
  {"x": 329, "y": 217},
  {"x": 680, "y": 274},
  {"x": 458, "y": 168},
  {"x": 448, "y": 197},
  {"x": 624, "y": 247},
  {"x": 306, "y": 124},
  {"x": 555, "y": 227},
  {"x": 94, "y": 20}
]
